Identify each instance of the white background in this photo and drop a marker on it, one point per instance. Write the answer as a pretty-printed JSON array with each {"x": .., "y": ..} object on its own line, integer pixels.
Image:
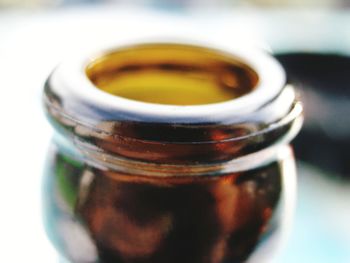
[{"x": 32, "y": 43}]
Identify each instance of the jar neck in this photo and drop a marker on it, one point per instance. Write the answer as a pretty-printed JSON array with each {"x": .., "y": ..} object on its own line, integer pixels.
[
  {"x": 215, "y": 147},
  {"x": 102, "y": 160},
  {"x": 187, "y": 144}
]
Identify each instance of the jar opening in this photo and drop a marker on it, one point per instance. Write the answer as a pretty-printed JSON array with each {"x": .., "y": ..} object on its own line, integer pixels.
[{"x": 172, "y": 74}]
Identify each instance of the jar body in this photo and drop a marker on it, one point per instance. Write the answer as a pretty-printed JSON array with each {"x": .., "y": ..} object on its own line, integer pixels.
[{"x": 102, "y": 215}]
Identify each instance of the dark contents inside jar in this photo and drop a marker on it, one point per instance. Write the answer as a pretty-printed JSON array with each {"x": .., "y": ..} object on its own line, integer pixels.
[{"x": 132, "y": 218}]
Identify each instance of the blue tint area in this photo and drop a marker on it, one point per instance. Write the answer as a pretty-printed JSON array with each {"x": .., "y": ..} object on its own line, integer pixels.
[
  {"x": 311, "y": 242},
  {"x": 315, "y": 236},
  {"x": 170, "y": 5}
]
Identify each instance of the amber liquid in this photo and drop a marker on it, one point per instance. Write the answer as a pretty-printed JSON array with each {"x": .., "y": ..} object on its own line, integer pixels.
[
  {"x": 99, "y": 216},
  {"x": 171, "y": 74}
]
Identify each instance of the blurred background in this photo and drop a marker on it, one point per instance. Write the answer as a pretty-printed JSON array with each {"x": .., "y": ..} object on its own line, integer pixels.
[{"x": 311, "y": 38}]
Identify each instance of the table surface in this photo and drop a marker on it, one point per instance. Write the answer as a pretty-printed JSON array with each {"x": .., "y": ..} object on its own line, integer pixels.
[{"x": 33, "y": 42}]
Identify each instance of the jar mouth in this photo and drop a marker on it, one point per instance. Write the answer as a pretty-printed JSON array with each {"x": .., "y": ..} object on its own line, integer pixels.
[
  {"x": 172, "y": 74},
  {"x": 75, "y": 78}
]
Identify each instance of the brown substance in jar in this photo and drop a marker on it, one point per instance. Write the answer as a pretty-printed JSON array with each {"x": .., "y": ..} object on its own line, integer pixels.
[{"x": 198, "y": 219}]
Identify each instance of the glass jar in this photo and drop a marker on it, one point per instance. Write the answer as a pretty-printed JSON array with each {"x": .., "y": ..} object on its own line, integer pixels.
[{"x": 170, "y": 152}]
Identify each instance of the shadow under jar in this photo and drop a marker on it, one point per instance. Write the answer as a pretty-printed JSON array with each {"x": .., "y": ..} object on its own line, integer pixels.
[{"x": 169, "y": 153}]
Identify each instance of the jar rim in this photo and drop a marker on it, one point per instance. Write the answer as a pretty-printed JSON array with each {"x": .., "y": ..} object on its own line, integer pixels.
[{"x": 73, "y": 80}]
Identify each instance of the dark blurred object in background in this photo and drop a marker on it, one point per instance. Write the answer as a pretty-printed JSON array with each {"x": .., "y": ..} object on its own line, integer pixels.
[{"x": 324, "y": 82}]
